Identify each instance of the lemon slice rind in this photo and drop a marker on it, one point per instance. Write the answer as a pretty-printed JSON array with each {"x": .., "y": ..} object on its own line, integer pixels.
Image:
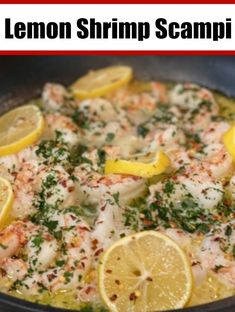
[
  {"x": 140, "y": 169},
  {"x": 100, "y": 82},
  {"x": 6, "y": 201},
  {"x": 229, "y": 141},
  {"x": 18, "y": 144}
]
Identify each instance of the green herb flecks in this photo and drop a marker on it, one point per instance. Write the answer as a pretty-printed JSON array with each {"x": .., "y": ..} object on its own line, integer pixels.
[
  {"x": 142, "y": 130},
  {"x": 80, "y": 119}
]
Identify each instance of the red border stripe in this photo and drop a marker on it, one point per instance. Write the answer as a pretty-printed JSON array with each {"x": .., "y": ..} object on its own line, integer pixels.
[
  {"x": 166, "y": 52},
  {"x": 117, "y": 2}
]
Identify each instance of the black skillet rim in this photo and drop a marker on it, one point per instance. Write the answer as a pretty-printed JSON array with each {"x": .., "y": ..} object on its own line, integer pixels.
[{"x": 28, "y": 306}]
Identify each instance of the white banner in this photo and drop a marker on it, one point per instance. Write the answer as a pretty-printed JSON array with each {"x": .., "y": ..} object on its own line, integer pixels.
[{"x": 118, "y": 27}]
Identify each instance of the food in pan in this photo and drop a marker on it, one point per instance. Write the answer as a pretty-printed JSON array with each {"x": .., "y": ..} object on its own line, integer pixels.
[{"x": 118, "y": 195}]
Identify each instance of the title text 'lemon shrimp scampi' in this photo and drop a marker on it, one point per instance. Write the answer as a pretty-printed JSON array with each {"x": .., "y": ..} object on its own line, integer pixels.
[{"x": 118, "y": 195}]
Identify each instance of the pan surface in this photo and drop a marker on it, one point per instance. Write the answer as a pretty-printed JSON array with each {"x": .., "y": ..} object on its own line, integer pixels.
[{"x": 22, "y": 77}]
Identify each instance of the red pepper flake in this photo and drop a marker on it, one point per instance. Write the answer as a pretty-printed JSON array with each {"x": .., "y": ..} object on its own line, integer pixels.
[
  {"x": 94, "y": 244},
  {"x": 51, "y": 277},
  {"x": 14, "y": 174},
  {"x": 113, "y": 297},
  {"x": 3, "y": 272},
  {"x": 147, "y": 222},
  {"x": 98, "y": 252},
  {"x": 149, "y": 279},
  {"x": 82, "y": 265},
  {"x": 84, "y": 228},
  {"x": 64, "y": 183},
  {"x": 103, "y": 208},
  {"x": 88, "y": 290},
  {"x": 195, "y": 263},
  {"x": 132, "y": 297},
  {"x": 71, "y": 189}
]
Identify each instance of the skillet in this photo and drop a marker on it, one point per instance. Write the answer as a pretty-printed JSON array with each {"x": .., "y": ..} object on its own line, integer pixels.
[{"x": 22, "y": 77}]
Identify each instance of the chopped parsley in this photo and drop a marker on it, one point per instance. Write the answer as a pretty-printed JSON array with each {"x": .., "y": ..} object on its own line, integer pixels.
[
  {"x": 116, "y": 197},
  {"x": 49, "y": 182},
  {"x": 226, "y": 207},
  {"x": 110, "y": 137},
  {"x": 68, "y": 276},
  {"x": 169, "y": 187},
  {"x": 77, "y": 157},
  {"x": 233, "y": 251},
  {"x": 185, "y": 214},
  {"x": 217, "y": 268},
  {"x": 51, "y": 225},
  {"x": 101, "y": 157},
  {"x": 60, "y": 263},
  {"x": 228, "y": 230},
  {"x": 53, "y": 151},
  {"x": 3, "y": 246},
  {"x": 37, "y": 241},
  {"x": 142, "y": 130},
  {"x": 80, "y": 119}
]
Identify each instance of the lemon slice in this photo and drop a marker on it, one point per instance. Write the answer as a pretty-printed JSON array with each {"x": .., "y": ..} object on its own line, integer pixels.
[
  {"x": 100, "y": 82},
  {"x": 140, "y": 169},
  {"x": 145, "y": 272},
  {"x": 20, "y": 128},
  {"x": 229, "y": 141},
  {"x": 6, "y": 201}
]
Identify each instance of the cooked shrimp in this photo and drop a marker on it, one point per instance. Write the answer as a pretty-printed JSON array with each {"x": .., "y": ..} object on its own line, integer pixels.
[
  {"x": 179, "y": 158},
  {"x": 15, "y": 237},
  {"x": 214, "y": 132},
  {"x": 232, "y": 187},
  {"x": 58, "y": 186},
  {"x": 98, "y": 110},
  {"x": 189, "y": 96},
  {"x": 109, "y": 224},
  {"x": 216, "y": 253},
  {"x": 41, "y": 257},
  {"x": 10, "y": 164},
  {"x": 12, "y": 239},
  {"x": 140, "y": 106},
  {"x": 167, "y": 138},
  {"x": 217, "y": 161},
  {"x": 41, "y": 250},
  {"x": 54, "y": 96},
  {"x": 15, "y": 269},
  {"x": 112, "y": 132},
  {"x": 207, "y": 192},
  {"x": 93, "y": 184},
  {"x": 64, "y": 125},
  {"x": 89, "y": 293},
  {"x": 76, "y": 254},
  {"x": 24, "y": 196},
  {"x": 55, "y": 182},
  {"x": 196, "y": 182}
]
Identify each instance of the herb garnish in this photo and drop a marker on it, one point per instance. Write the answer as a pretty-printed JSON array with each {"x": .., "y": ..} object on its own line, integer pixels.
[{"x": 142, "y": 130}]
